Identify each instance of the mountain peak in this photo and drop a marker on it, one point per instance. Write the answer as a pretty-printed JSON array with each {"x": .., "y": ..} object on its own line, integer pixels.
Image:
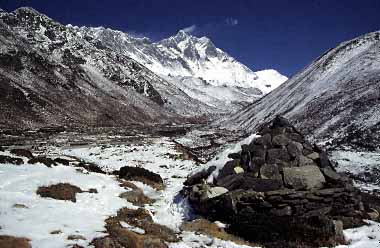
[{"x": 27, "y": 10}]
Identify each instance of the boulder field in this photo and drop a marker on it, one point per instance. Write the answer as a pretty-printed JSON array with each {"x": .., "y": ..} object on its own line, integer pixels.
[{"x": 278, "y": 190}]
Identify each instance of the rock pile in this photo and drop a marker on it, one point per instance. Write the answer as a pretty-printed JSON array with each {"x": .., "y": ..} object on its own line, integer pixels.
[{"x": 279, "y": 190}]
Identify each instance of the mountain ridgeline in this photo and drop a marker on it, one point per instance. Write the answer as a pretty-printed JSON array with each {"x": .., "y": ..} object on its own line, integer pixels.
[
  {"x": 52, "y": 74},
  {"x": 335, "y": 100}
]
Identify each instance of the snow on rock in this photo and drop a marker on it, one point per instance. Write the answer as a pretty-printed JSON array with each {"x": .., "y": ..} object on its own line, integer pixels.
[{"x": 222, "y": 158}]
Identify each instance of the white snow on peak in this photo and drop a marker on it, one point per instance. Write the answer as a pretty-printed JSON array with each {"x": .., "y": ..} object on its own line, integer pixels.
[{"x": 185, "y": 60}]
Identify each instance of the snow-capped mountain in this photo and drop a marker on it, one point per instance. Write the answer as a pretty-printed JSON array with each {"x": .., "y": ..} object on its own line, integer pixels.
[
  {"x": 53, "y": 74},
  {"x": 195, "y": 65},
  {"x": 336, "y": 98}
]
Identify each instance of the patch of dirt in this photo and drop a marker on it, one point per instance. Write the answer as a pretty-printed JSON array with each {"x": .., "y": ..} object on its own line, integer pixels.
[
  {"x": 136, "y": 197},
  {"x": 155, "y": 235},
  {"x": 14, "y": 242},
  {"x": 22, "y": 153},
  {"x": 61, "y": 191}
]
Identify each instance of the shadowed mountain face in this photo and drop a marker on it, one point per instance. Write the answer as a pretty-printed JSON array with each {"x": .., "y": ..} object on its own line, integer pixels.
[
  {"x": 52, "y": 75},
  {"x": 336, "y": 98}
]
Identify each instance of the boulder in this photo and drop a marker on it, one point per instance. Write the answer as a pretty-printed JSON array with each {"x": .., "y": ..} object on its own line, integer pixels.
[
  {"x": 141, "y": 174},
  {"x": 306, "y": 177}
]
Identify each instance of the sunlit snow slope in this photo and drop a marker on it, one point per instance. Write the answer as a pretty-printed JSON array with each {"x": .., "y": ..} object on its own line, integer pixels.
[{"x": 194, "y": 65}]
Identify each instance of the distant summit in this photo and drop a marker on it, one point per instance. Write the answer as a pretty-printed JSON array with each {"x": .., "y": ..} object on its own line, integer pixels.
[{"x": 195, "y": 65}]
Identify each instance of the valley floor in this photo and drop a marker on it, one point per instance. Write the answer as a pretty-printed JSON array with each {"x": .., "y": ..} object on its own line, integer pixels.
[{"x": 50, "y": 223}]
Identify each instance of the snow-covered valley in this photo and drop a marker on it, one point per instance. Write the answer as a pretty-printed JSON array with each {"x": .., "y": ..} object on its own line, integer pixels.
[{"x": 49, "y": 222}]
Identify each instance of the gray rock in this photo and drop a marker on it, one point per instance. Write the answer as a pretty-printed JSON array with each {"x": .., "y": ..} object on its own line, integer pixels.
[
  {"x": 280, "y": 140},
  {"x": 199, "y": 176},
  {"x": 296, "y": 137},
  {"x": 277, "y": 153},
  {"x": 258, "y": 151},
  {"x": 324, "y": 160},
  {"x": 214, "y": 192},
  {"x": 330, "y": 174},
  {"x": 270, "y": 171},
  {"x": 238, "y": 170},
  {"x": 306, "y": 177},
  {"x": 259, "y": 161},
  {"x": 295, "y": 149},
  {"x": 313, "y": 156},
  {"x": 228, "y": 168},
  {"x": 285, "y": 211},
  {"x": 234, "y": 155},
  {"x": 305, "y": 161},
  {"x": 246, "y": 181},
  {"x": 265, "y": 140}
]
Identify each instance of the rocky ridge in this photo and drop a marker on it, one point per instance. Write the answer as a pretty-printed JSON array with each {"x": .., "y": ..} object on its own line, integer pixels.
[{"x": 50, "y": 74}]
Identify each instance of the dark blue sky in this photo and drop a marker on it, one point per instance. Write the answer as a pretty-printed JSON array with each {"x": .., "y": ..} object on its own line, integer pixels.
[{"x": 282, "y": 34}]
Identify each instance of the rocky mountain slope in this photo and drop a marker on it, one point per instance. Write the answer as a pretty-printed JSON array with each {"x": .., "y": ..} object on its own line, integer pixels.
[
  {"x": 51, "y": 74},
  {"x": 195, "y": 65},
  {"x": 336, "y": 98}
]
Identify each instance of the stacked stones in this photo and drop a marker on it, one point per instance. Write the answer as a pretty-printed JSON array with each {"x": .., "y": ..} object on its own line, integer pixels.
[{"x": 279, "y": 187}]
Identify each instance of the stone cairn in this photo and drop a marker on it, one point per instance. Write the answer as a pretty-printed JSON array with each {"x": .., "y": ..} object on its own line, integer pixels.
[{"x": 279, "y": 190}]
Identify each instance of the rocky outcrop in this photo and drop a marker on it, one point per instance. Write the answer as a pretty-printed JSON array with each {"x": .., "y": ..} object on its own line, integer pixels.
[{"x": 280, "y": 187}]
